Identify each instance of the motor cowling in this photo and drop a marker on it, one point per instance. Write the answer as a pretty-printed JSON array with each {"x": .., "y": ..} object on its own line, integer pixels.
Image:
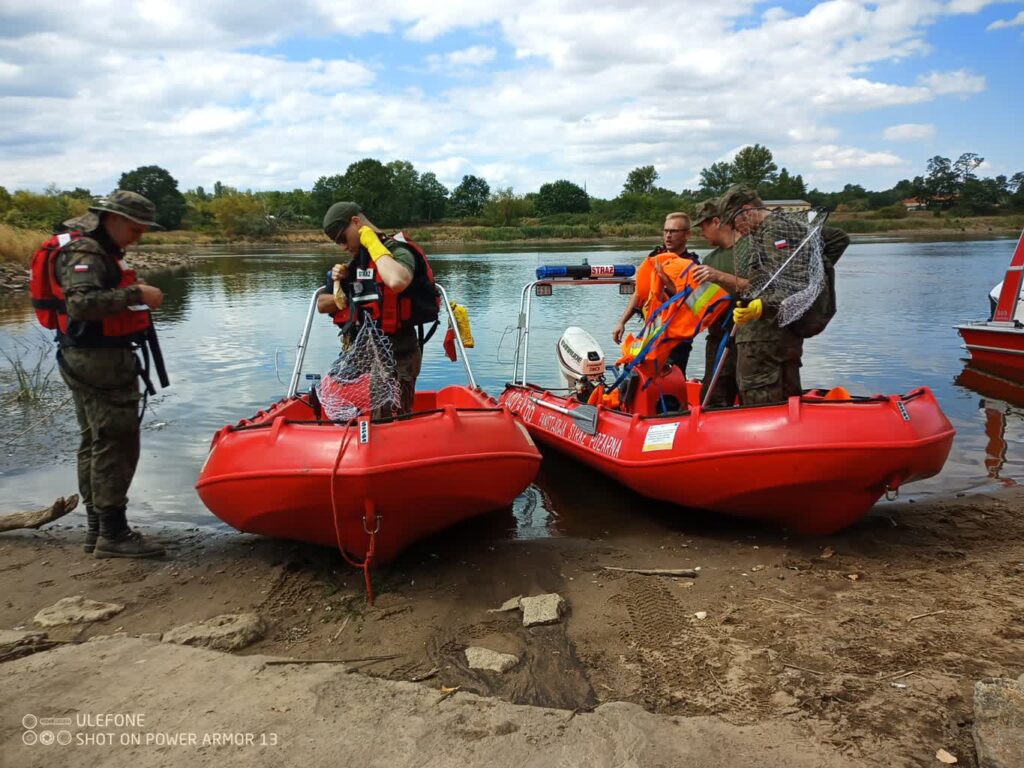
[{"x": 580, "y": 359}]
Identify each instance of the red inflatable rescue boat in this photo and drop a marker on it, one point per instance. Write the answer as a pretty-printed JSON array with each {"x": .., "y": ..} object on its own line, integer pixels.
[
  {"x": 815, "y": 464},
  {"x": 369, "y": 487}
]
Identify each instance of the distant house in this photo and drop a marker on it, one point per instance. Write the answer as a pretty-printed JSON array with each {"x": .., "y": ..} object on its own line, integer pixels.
[
  {"x": 915, "y": 204},
  {"x": 787, "y": 206}
]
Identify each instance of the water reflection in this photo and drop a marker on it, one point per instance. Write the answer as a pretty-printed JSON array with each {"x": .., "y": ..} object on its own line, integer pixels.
[{"x": 1002, "y": 406}]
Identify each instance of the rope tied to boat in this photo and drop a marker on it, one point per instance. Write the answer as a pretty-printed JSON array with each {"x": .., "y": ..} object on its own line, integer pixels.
[{"x": 369, "y": 518}]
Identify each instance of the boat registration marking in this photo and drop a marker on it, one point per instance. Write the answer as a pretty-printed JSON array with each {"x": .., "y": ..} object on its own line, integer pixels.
[
  {"x": 903, "y": 410},
  {"x": 660, "y": 437},
  {"x": 364, "y": 431}
]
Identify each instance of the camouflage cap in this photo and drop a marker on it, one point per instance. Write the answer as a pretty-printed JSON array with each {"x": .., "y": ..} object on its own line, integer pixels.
[
  {"x": 338, "y": 216},
  {"x": 131, "y": 205},
  {"x": 737, "y": 196},
  {"x": 706, "y": 211}
]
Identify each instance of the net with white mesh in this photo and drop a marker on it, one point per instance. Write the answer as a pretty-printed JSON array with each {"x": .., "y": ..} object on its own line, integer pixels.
[
  {"x": 362, "y": 380},
  {"x": 783, "y": 261}
]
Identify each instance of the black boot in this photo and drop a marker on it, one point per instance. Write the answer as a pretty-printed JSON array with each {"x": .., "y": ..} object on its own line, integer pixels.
[
  {"x": 118, "y": 540},
  {"x": 92, "y": 531}
]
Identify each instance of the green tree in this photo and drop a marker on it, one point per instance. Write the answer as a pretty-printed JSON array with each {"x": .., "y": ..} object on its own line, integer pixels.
[
  {"x": 433, "y": 197},
  {"x": 242, "y": 214},
  {"x": 368, "y": 182},
  {"x": 640, "y": 180},
  {"x": 505, "y": 208},
  {"x": 965, "y": 166},
  {"x": 786, "y": 187},
  {"x": 327, "y": 191},
  {"x": 470, "y": 196},
  {"x": 940, "y": 185},
  {"x": 754, "y": 166},
  {"x": 403, "y": 199},
  {"x": 157, "y": 184},
  {"x": 716, "y": 178},
  {"x": 561, "y": 197}
]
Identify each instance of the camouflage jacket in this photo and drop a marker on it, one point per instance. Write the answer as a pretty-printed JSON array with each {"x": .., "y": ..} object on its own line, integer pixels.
[{"x": 88, "y": 271}]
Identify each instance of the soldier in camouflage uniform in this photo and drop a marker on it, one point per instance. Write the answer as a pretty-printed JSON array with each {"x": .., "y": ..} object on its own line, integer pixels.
[
  {"x": 719, "y": 267},
  {"x": 768, "y": 356},
  {"x": 348, "y": 227},
  {"x": 101, "y": 372}
]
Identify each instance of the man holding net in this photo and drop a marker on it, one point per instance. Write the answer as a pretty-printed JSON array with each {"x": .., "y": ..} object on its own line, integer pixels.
[
  {"x": 369, "y": 301},
  {"x": 785, "y": 266}
]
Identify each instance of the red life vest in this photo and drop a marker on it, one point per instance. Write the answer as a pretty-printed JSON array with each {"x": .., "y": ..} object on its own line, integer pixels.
[
  {"x": 48, "y": 300},
  {"x": 417, "y": 305}
]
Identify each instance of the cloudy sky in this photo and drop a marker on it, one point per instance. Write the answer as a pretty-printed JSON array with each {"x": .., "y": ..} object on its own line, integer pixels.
[{"x": 273, "y": 95}]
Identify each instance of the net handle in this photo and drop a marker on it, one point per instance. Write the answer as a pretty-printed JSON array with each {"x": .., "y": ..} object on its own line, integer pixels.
[{"x": 816, "y": 228}]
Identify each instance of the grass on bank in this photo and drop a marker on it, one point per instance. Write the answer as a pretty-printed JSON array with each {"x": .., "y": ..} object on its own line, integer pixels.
[{"x": 17, "y": 245}]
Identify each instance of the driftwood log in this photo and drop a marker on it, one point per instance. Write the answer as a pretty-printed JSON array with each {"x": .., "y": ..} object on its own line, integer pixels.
[{"x": 58, "y": 509}]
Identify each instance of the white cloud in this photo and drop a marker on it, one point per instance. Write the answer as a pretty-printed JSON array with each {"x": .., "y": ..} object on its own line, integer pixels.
[
  {"x": 831, "y": 158},
  {"x": 958, "y": 82},
  {"x": 462, "y": 60},
  {"x": 1016, "y": 21},
  {"x": 909, "y": 132},
  {"x": 596, "y": 88}
]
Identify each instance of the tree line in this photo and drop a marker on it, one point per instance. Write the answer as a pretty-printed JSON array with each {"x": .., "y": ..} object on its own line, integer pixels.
[{"x": 395, "y": 194}]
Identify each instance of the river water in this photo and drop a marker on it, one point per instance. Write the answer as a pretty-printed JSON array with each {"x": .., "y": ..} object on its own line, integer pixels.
[{"x": 229, "y": 327}]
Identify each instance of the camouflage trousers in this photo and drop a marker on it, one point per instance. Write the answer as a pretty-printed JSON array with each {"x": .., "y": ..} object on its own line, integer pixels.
[
  {"x": 408, "y": 361},
  {"x": 105, "y": 390},
  {"x": 768, "y": 371},
  {"x": 726, "y": 388}
]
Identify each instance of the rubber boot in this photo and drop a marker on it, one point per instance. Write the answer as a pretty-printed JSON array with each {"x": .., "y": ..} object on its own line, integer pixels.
[
  {"x": 92, "y": 531},
  {"x": 118, "y": 540}
]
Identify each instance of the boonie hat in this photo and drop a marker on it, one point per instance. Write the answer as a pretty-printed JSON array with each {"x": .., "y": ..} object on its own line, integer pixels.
[
  {"x": 737, "y": 196},
  {"x": 131, "y": 205},
  {"x": 706, "y": 211}
]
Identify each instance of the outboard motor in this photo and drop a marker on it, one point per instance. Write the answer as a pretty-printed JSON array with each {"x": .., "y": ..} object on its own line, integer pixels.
[{"x": 581, "y": 361}]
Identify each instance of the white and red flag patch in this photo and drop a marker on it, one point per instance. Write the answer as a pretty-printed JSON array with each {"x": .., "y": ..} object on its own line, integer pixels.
[
  {"x": 781, "y": 244},
  {"x": 81, "y": 267}
]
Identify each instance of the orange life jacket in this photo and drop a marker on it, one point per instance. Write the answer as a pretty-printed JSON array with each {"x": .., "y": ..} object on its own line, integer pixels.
[
  {"x": 645, "y": 273},
  {"x": 48, "y": 300},
  {"x": 691, "y": 309},
  {"x": 417, "y": 305}
]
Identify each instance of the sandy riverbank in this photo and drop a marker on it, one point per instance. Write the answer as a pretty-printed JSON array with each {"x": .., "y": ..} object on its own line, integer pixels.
[{"x": 867, "y": 643}]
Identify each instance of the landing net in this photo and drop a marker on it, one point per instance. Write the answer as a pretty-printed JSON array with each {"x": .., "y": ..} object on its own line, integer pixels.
[
  {"x": 783, "y": 261},
  {"x": 362, "y": 380}
]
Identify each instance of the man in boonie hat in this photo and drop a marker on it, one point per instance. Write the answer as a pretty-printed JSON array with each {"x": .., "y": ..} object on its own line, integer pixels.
[{"x": 105, "y": 317}]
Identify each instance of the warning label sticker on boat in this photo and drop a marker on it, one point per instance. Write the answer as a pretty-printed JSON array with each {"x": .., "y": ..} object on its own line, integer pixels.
[{"x": 660, "y": 437}]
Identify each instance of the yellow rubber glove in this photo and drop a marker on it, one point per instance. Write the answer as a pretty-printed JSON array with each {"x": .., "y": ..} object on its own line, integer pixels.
[
  {"x": 744, "y": 315},
  {"x": 369, "y": 240}
]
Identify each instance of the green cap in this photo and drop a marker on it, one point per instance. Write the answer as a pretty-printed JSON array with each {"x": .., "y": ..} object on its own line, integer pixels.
[
  {"x": 131, "y": 205},
  {"x": 338, "y": 216},
  {"x": 706, "y": 211},
  {"x": 737, "y": 196}
]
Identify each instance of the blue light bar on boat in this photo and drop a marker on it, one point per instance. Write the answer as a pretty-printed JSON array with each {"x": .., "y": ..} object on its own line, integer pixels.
[{"x": 584, "y": 271}]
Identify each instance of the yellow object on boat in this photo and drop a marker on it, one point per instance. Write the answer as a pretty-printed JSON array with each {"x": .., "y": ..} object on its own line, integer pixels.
[{"x": 462, "y": 324}]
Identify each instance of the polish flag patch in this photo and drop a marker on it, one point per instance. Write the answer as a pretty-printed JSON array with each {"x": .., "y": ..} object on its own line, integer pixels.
[
  {"x": 781, "y": 244},
  {"x": 81, "y": 267}
]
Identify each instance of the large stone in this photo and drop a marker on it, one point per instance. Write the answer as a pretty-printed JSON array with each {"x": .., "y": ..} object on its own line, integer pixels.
[
  {"x": 76, "y": 610},
  {"x": 999, "y": 722},
  {"x": 542, "y": 609},
  {"x": 484, "y": 658},
  {"x": 318, "y": 714},
  {"x": 227, "y": 632}
]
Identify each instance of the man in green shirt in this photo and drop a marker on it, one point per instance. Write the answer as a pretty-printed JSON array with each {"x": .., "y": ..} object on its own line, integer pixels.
[
  {"x": 719, "y": 267},
  {"x": 393, "y": 268}
]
